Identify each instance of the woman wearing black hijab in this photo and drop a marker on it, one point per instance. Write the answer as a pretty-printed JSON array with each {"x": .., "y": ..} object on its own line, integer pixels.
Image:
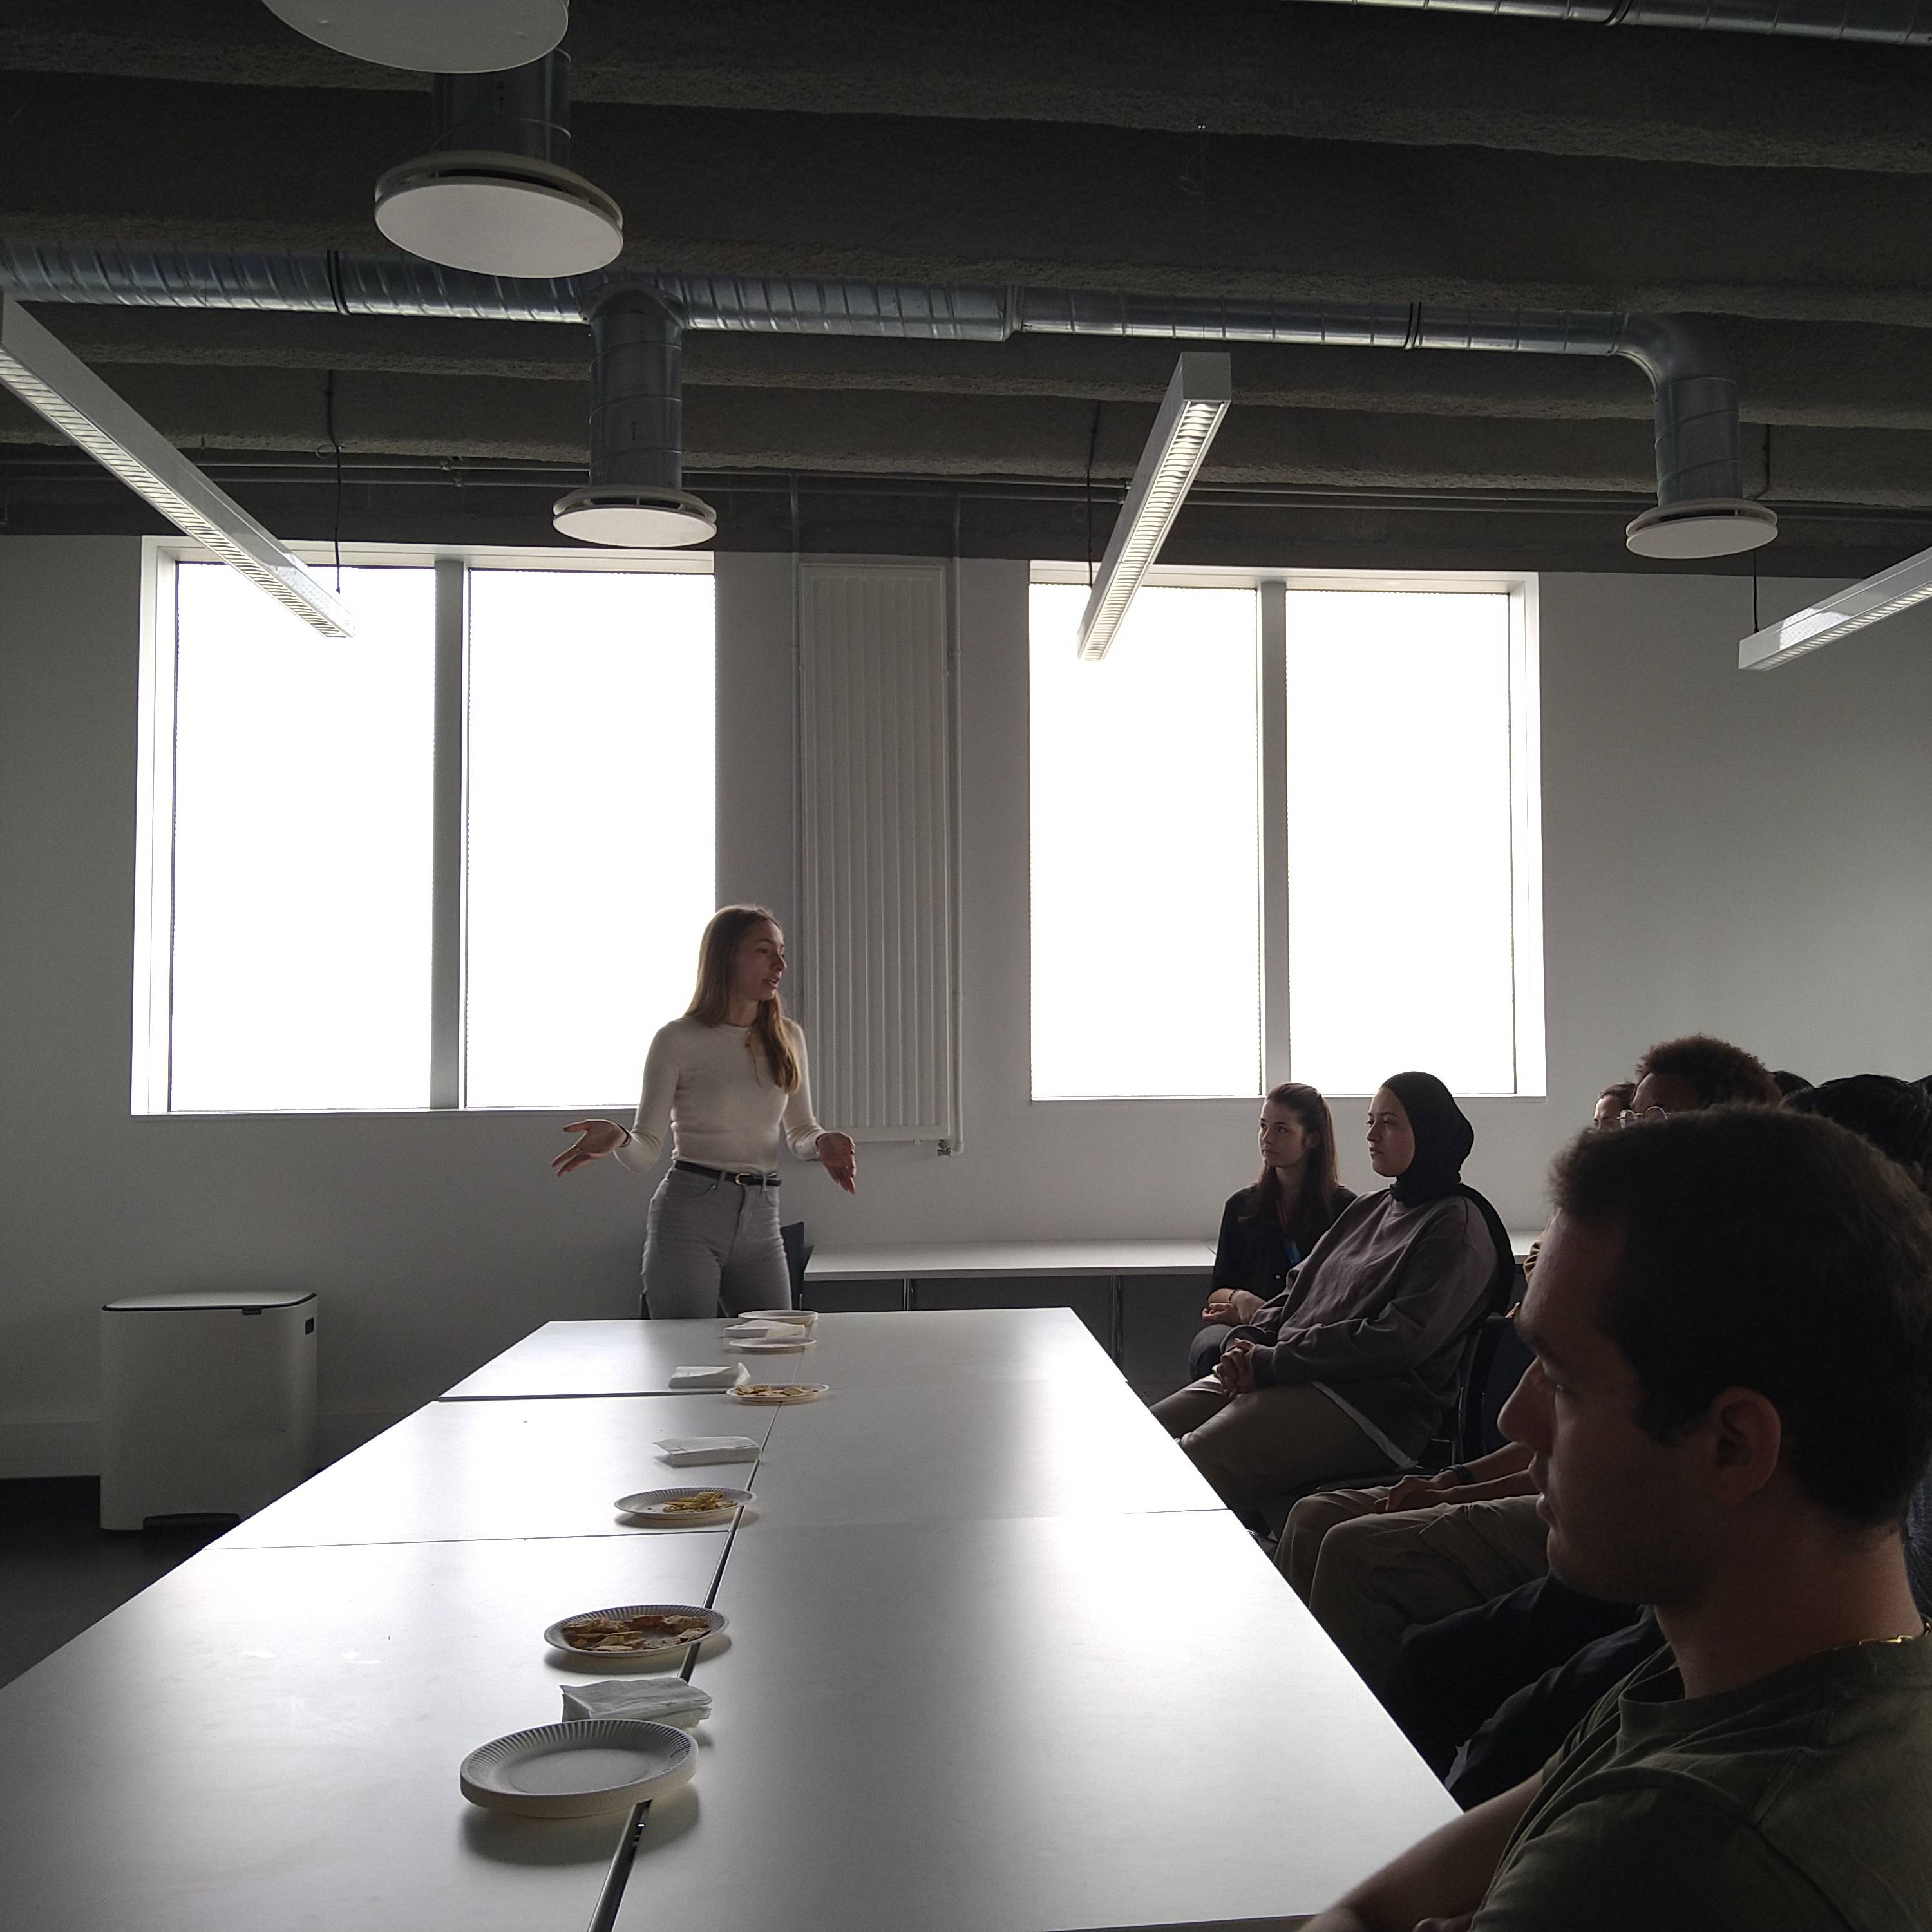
[{"x": 1351, "y": 1367}]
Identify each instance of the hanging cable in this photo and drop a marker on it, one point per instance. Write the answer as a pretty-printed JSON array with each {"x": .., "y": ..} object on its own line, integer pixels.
[{"x": 335, "y": 444}]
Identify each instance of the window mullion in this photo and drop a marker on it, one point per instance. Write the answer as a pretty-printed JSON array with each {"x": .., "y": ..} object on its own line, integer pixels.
[
  {"x": 445, "y": 1077},
  {"x": 1275, "y": 1042}
]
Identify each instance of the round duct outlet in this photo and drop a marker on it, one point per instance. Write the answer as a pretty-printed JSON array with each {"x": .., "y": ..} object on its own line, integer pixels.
[
  {"x": 498, "y": 214},
  {"x": 432, "y": 36},
  {"x": 1707, "y": 526},
  {"x": 634, "y": 516}
]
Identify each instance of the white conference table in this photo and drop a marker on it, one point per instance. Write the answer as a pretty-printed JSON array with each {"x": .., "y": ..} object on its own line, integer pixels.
[
  {"x": 1025, "y": 1724},
  {"x": 460, "y": 1470},
  {"x": 620, "y": 1358},
  {"x": 268, "y": 1740},
  {"x": 1114, "y": 1262},
  {"x": 977, "y": 1678}
]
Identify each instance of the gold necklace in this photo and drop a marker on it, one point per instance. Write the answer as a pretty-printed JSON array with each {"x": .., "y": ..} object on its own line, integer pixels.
[{"x": 1860, "y": 1642}]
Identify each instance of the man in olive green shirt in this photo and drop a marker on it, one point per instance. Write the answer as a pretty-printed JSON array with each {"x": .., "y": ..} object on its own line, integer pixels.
[{"x": 1730, "y": 1406}]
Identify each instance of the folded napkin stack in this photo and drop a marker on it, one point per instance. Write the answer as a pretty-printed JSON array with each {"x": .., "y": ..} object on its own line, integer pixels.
[
  {"x": 656, "y": 1700},
  {"x": 724, "y": 1375},
  {"x": 684, "y": 1451}
]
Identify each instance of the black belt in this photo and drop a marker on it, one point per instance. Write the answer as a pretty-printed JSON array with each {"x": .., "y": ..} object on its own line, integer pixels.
[{"x": 745, "y": 1177}]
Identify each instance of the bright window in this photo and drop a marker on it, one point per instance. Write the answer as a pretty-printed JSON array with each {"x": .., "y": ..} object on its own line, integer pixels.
[
  {"x": 1400, "y": 902},
  {"x": 302, "y": 815},
  {"x": 1381, "y": 910},
  {"x": 1146, "y": 849},
  {"x": 591, "y": 858},
  {"x": 306, "y": 941}
]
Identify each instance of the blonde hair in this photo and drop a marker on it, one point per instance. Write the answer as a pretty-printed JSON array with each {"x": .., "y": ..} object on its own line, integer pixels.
[{"x": 726, "y": 931}]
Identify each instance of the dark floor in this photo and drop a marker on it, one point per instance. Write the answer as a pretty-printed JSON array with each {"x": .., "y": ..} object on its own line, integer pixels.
[{"x": 60, "y": 1571}]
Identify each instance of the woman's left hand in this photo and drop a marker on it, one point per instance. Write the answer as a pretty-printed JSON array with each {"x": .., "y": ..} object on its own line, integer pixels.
[
  {"x": 1235, "y": 1370},
  {"x": 840, "y": 1158}
]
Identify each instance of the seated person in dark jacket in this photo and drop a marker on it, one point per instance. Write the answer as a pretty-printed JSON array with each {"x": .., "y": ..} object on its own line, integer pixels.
[
  {"x": 1730, "y": 1406},
  {"x": 1270, "y": 1225},
  {"x": 1351, "y": 1367}
]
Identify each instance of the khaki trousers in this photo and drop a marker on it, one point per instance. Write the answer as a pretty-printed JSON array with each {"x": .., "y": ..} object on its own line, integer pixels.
[
  {"x": 1369, "y": 1578},
  {"x": 1255, "y": 1446}
]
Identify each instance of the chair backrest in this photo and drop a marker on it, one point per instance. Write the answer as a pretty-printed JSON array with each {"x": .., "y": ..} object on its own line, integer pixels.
[
  {"x": 1496, "y": 1367},
  {"x": 797, "y": 1253}
]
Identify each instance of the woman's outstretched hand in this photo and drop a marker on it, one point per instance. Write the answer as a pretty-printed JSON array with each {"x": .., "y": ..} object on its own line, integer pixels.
[
  {"x": 600, "y": 1138},
  {"x": 840, "y": 1158}
]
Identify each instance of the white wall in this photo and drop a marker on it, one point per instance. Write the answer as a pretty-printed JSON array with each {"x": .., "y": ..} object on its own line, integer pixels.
[{"x": 1743, "y": 854}]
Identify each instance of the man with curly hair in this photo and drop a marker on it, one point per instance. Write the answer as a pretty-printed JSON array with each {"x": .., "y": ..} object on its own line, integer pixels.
[{"x": 1698, "y": 1071}]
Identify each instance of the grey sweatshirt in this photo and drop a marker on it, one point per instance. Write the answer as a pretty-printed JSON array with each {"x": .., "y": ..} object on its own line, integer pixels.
[{"x": 1376, "y": 1316}]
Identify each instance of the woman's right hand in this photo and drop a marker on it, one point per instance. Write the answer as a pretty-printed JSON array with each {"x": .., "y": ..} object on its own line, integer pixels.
[
  {"x": 1233, "y": 1306},
  {"x": 600, "y": 1138}
]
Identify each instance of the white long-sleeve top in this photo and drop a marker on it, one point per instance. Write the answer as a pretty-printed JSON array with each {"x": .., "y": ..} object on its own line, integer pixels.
[{"x": 711, "y": 1087}]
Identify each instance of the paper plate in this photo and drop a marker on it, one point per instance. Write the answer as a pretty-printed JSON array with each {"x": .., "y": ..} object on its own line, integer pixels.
[
  {"x": 793, "y": 1344},
  {"x": 806, "y": 1392},
  {"x": 570, "y": 1770},
  {"x": 715, "y": 1621},
  {"x": 649, "y": 1504},
  {"x": 801, "y": 1318}
]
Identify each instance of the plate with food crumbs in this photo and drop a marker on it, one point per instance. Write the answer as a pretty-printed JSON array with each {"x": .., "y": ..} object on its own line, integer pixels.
[
  {"x": 635, "y": 1630},
  {"x": 685, "y": 1506},
  {"x": 769, "y": 1394}
]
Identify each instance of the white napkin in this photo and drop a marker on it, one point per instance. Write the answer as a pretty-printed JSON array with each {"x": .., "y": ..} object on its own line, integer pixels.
[
  {"x": 720, "y": 1375},
  {"x": 683, "y": 1450},
  {"x": 759, "y": 1331},
  {"x": 658, "y": 1700}
]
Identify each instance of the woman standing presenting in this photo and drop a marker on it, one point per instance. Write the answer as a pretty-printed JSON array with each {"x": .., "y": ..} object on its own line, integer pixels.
[{"x": 726, "y": 1079}]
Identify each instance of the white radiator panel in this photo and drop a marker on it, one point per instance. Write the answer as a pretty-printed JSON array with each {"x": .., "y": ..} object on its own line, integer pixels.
[{"x": 878, "y": 903}]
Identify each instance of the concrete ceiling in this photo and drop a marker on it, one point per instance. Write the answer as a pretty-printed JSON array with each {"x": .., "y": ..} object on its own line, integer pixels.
[{"x": 1783, "y": 188}]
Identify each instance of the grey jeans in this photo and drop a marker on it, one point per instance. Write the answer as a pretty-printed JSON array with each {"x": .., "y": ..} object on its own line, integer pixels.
[{"x": 708, "y": 1237}]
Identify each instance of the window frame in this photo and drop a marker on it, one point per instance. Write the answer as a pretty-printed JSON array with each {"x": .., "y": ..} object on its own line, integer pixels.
[
  {"x": 1271, "y": 587},
  {"x": 153, "y": 991}
]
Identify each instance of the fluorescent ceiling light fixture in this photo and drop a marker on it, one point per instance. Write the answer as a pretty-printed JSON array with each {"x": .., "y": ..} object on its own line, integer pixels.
[
  {"x": 1190, "y": 413},
  {"x": 1870, "y": 602},
  {"x": 432, "y": 36},
  {"x": 51, "y": 378}
]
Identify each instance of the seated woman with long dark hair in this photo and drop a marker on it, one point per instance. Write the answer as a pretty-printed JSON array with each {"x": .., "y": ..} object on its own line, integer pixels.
[
  {"x": 1351, "y": 1367},
  {"x": 1270, "y": 1225}
]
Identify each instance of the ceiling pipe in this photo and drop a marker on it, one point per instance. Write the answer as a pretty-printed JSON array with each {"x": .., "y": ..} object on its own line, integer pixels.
[
  {"x": 1701, "y": 508},
  {"x": 636, "y": 496},
  {"x": 494, "y": 194},
  {"x": 1889, "y": 23}
]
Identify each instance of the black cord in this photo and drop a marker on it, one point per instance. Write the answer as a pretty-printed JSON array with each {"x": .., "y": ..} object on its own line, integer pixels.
[
  {"x": 335, "y": 444},
  {"x": 1093, "y": 443}
]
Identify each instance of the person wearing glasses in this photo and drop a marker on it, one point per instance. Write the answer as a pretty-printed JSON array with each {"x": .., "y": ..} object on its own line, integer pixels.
[{"x": 728, "y": 1082}]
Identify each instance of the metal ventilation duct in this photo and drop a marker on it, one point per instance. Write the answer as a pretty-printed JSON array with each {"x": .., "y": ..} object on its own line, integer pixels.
[
  {"x": 493, "y": 195},
  {"x": 636, "y": 496},
  {"x": 1701, "y": 509},
  {"x": 1889, "y": 23}
]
